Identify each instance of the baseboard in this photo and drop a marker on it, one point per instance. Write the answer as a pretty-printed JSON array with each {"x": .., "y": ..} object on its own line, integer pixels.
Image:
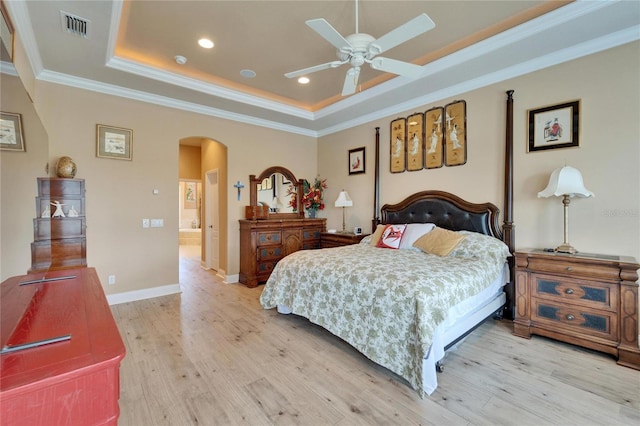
[
  {"x": 228, "y": 279},
  {"x": 147, "y": 293}
]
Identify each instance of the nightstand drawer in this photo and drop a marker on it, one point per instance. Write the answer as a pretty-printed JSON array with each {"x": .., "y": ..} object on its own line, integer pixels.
[
  {"x": 590, "y": 322},
  {"x": 596, "y": 295},
  {"x": 268, "y": 238},
  {"x": 573, "y": 268}
]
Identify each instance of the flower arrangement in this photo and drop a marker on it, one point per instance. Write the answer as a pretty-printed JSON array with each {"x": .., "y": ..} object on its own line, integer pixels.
[{"x": 311, "y": 195}]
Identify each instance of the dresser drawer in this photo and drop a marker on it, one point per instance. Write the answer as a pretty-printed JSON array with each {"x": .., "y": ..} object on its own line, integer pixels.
[
  {"x": 586, "y": 321},
  {"x": 311, "y": 234},
  {"x": 264, "y": 270},
  {"x": 265, "y": 238},
  {"x": 596, "y": 295},
  {"x": 573, "y": 268},
  {"x": 269, "y": 253}
]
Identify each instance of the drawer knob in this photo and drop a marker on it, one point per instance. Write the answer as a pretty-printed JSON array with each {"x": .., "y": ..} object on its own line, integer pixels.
[
  {"x": 570, "y": 317},
  {"x": 569, "y": 291},
  {"x": 569, "y": 268}
]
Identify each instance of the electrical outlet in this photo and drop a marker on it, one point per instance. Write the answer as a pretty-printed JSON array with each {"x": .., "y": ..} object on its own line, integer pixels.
[
  {"x": 112, "y": 279},
  {"x": 157, "y": 223},
  {"x": 145, "y": 223}
]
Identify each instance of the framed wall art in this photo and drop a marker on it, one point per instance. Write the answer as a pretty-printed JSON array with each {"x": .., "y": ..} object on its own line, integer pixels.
[
  {"x": 433, "y": 134},
  {"x": 398, "y": 145},
  {"x": 455, "y": 133},
  {"x": 415, "y": 143},
  {"x": 556, "y": 126},
  {"x": 190, "y": 195},
  {"x": 11, "y": 134},
  {"x": 114, "y": 142},
  {"x": 356, "y": 161}
]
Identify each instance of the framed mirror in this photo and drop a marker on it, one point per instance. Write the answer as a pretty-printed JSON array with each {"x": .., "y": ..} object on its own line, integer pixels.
[{"x": 279, "y": 189}]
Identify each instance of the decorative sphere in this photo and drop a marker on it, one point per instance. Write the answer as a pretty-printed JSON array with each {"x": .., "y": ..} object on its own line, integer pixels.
[{"x": 66, "y": 168}]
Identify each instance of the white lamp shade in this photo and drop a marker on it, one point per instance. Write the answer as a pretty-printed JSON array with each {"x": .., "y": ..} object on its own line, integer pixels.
[
  {"x": 344, "y": 200},
  {"x": 566, "y": 181}
]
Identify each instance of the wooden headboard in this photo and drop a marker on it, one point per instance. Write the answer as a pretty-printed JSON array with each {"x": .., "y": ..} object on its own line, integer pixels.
[{"x": 446, "y": 211}]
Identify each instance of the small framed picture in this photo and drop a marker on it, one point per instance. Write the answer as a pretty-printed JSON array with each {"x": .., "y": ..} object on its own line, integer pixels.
[
  {"x": 356, "y": 161},
  {"x": 455, "y": 135},
  {"x": 11, "y": 135},
  {"x": 434, "y": 136},
  {"x": 556, "y": 126},
  {"x": 398, "y": 145},
  {"x": 415, "y": 144},
  {"x": 114, "y": 142},
  {"x": 190, "y": 195}
]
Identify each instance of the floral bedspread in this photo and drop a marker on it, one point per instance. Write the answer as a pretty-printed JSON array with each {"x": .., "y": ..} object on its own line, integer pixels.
[{"x": 385, "y": 303}]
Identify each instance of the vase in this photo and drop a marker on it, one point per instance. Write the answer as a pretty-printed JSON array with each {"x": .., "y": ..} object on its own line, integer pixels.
[{"x": 312, "y": 213}]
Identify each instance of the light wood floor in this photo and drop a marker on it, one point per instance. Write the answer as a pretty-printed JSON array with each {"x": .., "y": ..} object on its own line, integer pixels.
[{"x": 212, "y": 355}]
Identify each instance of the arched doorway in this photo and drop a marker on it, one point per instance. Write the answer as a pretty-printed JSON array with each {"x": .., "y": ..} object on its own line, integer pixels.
[{"x": 207, "y": 158}]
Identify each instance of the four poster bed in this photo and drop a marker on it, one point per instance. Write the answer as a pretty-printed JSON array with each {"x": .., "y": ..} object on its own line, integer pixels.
[{"x": 403, "y": 307}]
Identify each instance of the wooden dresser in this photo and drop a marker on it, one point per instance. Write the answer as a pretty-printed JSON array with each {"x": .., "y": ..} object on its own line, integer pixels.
[
  {"x": 264, "y": 242},
  {"x": 74, "y": 380},
  {"x": 59, "y": 232},
  {"x": 338, "y": 239},
  {"x": 589, "y": 300}
]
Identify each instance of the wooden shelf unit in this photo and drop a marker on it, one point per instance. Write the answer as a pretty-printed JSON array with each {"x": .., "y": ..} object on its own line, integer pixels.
[{"x": 59, "y": 242}]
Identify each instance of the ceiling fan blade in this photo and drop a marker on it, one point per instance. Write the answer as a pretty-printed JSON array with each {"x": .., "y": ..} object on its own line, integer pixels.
[
  {"x": 418, "y": 25},
  {"x": 322, "y": 27},
  {"x": 396, "y": 67},
  {"x": 332, "y": 64},
  {"x": 351, "y": 81}
]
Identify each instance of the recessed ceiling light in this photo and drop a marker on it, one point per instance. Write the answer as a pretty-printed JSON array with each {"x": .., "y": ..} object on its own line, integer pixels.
[
  {"x": 248, "y": 73},
  {"x": 180, "y": 60},
  {"x": 303, "y": 80},
  {"x": 206, "y": 43}
]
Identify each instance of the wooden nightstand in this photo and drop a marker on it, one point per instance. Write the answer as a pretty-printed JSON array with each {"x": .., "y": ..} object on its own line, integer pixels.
[
  {"x": 337, "y": 239},
  {"x": 589, "y": 300}
]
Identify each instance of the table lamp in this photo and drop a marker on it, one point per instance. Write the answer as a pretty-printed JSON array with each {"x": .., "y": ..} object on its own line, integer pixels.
[
  {"x": 343, "y": 201},
  {"x": 565, "y": 182}
]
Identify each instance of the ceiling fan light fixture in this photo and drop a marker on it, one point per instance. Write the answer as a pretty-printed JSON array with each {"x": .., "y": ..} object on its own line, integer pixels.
[
  {"x": 206, "y": 43},
  {"x": 304, "y": 80}
]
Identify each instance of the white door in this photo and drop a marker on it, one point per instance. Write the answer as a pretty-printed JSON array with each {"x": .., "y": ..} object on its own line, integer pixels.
[{"x": 212, "y": 222}]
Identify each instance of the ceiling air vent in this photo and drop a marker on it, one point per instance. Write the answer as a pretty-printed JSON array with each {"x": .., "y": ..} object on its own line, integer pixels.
[{"x": 75, "y": 25}]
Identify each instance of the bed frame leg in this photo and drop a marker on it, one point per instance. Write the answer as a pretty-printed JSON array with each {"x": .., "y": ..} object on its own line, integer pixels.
[
  {"x": 439, "y": 367},
  {"x": 499, "y": 314}
]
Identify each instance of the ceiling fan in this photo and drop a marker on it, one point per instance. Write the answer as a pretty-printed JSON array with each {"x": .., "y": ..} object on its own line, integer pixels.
[{"x": 360, "y": 48}]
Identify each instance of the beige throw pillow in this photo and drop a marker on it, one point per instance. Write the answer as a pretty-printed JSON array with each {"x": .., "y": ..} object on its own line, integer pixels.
[
  {"x": 439, "y": 241},
  {"x": 375, "y": 238}
]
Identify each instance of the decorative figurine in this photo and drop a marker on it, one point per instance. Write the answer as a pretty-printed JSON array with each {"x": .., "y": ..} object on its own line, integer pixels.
[
  {"x": 58, "y": 212},
  {"x": 47, "y": 212},
  {"x": 72, "y": 212}
]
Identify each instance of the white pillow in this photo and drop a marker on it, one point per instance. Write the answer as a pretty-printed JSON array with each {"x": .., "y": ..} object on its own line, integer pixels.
[{"x": 413, "y": 232}]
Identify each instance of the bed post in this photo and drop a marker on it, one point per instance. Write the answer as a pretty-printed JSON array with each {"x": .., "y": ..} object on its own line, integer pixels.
[
  {"x": 508, "y": 233},
  {"x": 376, "y": 184}
]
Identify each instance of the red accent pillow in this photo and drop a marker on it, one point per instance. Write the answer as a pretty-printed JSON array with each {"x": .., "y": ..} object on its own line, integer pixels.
[{"x": 391, "y": 236}]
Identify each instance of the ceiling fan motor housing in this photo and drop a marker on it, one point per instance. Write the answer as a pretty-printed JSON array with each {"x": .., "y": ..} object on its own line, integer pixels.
[{"x": 359, "y": 49}]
